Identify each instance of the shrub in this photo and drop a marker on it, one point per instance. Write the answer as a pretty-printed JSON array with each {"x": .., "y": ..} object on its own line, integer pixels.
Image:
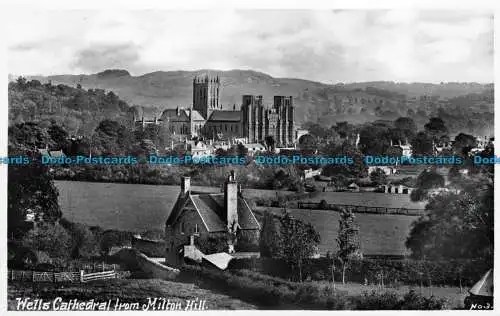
[
  {"x": 50, "y": 238},
  {"x": 414, "y": 301},
  {"x": 377, "y": 301}
]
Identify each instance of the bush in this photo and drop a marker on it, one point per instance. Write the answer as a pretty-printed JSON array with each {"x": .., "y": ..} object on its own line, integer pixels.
[
  {"x": 392, "y": 301},
  {"x": 377, "y": 301},
  {"x": 50, "y": 238},
  {"x": 414, "y": 301}
]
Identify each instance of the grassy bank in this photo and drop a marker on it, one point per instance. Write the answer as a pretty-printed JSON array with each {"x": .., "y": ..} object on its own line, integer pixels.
[{"x": 127, "y": 291}]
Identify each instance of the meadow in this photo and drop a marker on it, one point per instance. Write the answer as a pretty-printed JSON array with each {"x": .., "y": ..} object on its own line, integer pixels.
[
  {"x": 370, "y": 199},
  {"x": 379, "y": 234}
]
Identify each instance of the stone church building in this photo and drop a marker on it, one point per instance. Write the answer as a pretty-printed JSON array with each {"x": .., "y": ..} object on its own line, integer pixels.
[{"x": 254, "y": 121}]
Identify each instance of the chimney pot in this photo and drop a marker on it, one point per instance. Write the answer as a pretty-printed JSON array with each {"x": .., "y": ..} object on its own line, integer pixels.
[
  {"x": 231, "y": 202},
  {"x": 185, "y": 185}
]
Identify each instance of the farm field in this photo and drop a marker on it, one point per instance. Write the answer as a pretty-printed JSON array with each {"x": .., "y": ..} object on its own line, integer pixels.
[
  {"x": 128, "y": 290},
  {"x": 368, "y": 199},
  {"x": 379, "y": 234}
]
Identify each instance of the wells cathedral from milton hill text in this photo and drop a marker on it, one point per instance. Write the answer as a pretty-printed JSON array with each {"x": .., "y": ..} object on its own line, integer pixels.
[{"x": 205, "y": 118}]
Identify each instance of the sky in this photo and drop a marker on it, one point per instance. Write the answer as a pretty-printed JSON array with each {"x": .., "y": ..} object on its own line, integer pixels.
[{"x": 329, "y": 46}]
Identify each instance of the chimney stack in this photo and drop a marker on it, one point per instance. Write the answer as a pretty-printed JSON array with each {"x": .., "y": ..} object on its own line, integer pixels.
[
  {"x": 231, "y": 202},
  {"x": 185, "y": 185}
]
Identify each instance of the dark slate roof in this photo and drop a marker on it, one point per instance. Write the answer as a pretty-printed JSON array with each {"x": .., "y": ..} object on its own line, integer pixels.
[
  {"x": 176, "y": 210},
  {"x": 211, "y": 210},
  {"x": 227, "y": 116}
]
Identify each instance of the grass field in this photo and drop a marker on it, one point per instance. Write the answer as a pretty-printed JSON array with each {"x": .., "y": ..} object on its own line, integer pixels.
[
  {"x": 133, "y": 290},
  {"x": 379, "y": 234},
  {"x": 368, "y": 199}
]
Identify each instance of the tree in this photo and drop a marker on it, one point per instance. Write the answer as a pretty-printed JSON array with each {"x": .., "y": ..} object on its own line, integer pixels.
[
  {"x": 30, "y": 187},
  {"x": 112, "y": 138},
  {"x": 422, "y": 145},
  {"x": 429, "y": 179},
  {"x": 463, "y": 143},
  {"x": 59, "y": 136},
  {"x": 357, "y": 169},
  {"x": 426, "y": 180},
  {"x": 348, "y": 240},
  {"x": 270, "y": 239},
  {"x": 407, "y": 126},
  {"x": 21, "y": 82},
  {"x": 241, "y": 150},
  {"x": 374, "y": 139},
  {"x": 300, "y": 241},
  {"x": 50, "y": 238},
  {"x": 378, "y": 177},
  {"x": 456, "y": 225},
  {"x": 436, "y": 128}
]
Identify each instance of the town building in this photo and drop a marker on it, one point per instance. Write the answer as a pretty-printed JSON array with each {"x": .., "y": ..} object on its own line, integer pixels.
[
  {"x": 388, "y": 170},
  {"x": 220, "y": 220},
  {"x": 253, "y": 121},
  {"x": 254, "y": 148}
]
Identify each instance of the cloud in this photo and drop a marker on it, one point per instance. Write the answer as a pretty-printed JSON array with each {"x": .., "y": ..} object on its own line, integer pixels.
[
  {"x": 95, "y": 58},
  {"x": 328, "y": 46}
]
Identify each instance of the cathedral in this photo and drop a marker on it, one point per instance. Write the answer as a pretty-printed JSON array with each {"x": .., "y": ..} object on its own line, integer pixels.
[{"x": 253, "y": 122}]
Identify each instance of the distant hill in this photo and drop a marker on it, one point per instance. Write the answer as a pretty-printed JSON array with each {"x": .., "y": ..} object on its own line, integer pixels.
[{"x": 315, "y": 101}]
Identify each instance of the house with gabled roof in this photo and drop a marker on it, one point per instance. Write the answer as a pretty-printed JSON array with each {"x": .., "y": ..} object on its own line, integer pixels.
[{"x": 213, "y": 222}]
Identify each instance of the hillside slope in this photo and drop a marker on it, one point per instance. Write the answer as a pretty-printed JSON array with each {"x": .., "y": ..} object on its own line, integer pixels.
[{"x": 315, "y": 101}]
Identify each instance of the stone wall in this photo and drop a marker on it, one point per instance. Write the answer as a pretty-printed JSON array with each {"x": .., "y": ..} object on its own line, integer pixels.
[
  {"x": 150, "y": 248},
  {"x": 137, "y": 260}
]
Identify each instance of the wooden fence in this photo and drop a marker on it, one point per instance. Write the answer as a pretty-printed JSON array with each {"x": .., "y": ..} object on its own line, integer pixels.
[
  {"x": 91, "y": 267},
  {"x": 79, "y": 276},
  {"x": 360, "y": 208},
  {"x": 97, "y": 276}
]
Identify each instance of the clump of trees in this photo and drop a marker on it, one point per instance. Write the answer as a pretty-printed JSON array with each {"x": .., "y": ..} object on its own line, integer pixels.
[
  {"x": 289, "y": 239},
  {"x": 458, "y": 223},
  {"x": 427, "y": 180},
  {"x": 378, "y": 177}
]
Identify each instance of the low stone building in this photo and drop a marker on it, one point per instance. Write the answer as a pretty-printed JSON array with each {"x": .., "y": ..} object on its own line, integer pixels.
[{"x": 213, "y": 222}]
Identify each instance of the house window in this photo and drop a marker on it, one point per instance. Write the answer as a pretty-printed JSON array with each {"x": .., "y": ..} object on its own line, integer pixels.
[
  {"x": 182, "y": 228},
  {"x": 196, "y": 229}
]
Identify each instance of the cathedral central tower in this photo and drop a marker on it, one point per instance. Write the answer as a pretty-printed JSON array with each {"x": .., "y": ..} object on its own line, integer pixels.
[{"x": 206, "y": 95}]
